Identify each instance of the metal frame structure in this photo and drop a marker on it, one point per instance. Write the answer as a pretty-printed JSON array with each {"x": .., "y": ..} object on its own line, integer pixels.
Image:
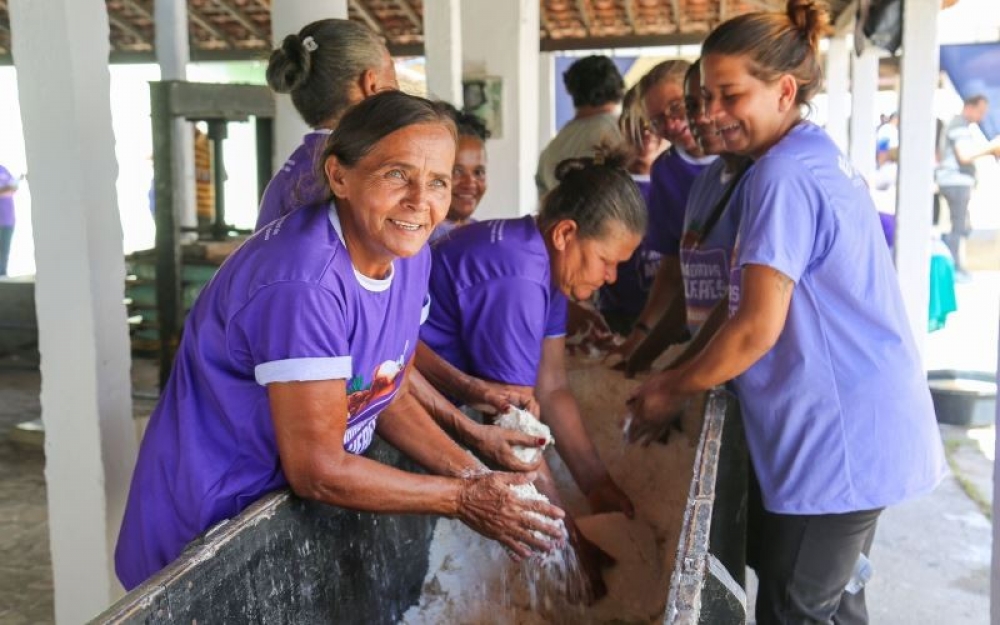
[{"x": 218, "y": 105}]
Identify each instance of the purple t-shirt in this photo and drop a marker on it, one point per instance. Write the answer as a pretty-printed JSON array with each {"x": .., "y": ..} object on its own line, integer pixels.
[
  {"x": 838, "y": 414},
  {"x": 635, "y": 276},
  {"x": 288, "y": 305},
  {"x": 444, "y": 228},
  {"x": 705, "y": 261},
  {"x": 295, "y": 185},
  {"x": 494, "y": 301},
  {"x": 672, "y": 175},
  {"x": 6, "y": 201}
]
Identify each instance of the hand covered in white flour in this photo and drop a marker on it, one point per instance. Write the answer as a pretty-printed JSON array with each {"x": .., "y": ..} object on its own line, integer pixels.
[
  {"x": 488, "y": 505},
  {"x": 497, "y": 445}
]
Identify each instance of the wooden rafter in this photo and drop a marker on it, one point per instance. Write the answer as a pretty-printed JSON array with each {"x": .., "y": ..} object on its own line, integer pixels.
[
  {"x": 404, "y": 6},
  {"x": 241, "y": 19},
  {"x": 581, "y": 7},
  {"x": 367, "y": 17},
  {"x": 125, "y": 27}
]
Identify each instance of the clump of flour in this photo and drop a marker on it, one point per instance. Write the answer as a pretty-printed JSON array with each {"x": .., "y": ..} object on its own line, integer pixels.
[{"x": 524, "y": 421}]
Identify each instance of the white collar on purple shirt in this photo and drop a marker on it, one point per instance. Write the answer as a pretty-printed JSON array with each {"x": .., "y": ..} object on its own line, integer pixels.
[{"x": 369, "y": 284}]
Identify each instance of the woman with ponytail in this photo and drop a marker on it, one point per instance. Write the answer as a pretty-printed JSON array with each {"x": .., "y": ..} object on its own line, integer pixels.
[
  {"x": 327, "y": 67},
  {"x": 838, "y": 417}
]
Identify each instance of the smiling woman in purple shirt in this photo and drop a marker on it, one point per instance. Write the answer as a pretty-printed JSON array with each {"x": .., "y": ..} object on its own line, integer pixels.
[
  {"x": 295, "y": 355},
  {"x": 838, "y": 416}
]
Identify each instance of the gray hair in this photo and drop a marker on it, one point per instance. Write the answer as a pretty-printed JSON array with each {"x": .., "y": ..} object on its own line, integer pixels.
[
  {"x": 595, "y": 193},
  {"x": 318, "y": 65}
]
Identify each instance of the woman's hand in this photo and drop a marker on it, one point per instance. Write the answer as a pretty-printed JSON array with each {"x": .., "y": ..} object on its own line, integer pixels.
[
  {"x": 488, "y": 505},
  {"x": 496, "y": 398},
  {"x": 497, "y": 445},
  {"x": 593, "y": 560},
  {"x": 587, "y": 331},
  {"x": 605, "y": 496},
  {"x": 655, "y": 409}
]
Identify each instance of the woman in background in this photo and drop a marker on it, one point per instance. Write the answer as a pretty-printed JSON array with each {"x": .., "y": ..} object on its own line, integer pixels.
[{"x": 468, "y": 177}]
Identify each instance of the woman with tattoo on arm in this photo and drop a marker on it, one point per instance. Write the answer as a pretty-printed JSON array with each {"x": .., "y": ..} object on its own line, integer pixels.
[{"x": 838, "y": 417}]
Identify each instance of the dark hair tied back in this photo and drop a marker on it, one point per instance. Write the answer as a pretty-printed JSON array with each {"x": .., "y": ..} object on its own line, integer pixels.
[
  {"x": 810, "y": 18},
  {"x": 777, "y": 43},
  {"x": 595, "y": 192},
  {"x": 289, "y": 66}
]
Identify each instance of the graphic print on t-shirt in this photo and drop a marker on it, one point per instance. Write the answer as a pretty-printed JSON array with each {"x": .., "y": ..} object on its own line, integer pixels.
[{"x": 367, "y": 398}]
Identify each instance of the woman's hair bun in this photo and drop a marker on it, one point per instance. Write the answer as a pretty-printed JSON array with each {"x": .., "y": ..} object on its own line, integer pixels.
[
  {"x": 289, "y": 65},
  {"x": 811, "y": 18}
]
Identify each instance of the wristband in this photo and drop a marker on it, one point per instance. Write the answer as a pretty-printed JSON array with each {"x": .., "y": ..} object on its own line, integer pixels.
[{"x": 642, "y": 327}]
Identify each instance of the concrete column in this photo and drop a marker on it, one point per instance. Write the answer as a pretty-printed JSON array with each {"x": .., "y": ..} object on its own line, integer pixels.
[
  {"x": 838, "y": 62},
  {"x": 173, "y": 54},
  {"x": 61, "y": 47},
  {"x": 287, "y": 17},
  {"x": 864, "y": 117},
  {"x": 443, "y": 49},
  {"x": 546, "y": 99},
  {"x": 915, "y": 187},
  {"x": 995, "y": 568},
  {"x": 501, "y": 40}
]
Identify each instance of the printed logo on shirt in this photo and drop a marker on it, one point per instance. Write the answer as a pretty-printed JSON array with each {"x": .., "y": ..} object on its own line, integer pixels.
[
  {"x": 366, "y": 399},
  {"x": 649, "y": 264},
  {"x": 706, "y": 277}
]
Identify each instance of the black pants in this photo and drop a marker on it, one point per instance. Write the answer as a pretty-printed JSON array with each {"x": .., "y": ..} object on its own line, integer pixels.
[
  {"x": 803, "y": 563},
  {"x": 958, "y": 207},
  {"x": 6, "y": 232}
]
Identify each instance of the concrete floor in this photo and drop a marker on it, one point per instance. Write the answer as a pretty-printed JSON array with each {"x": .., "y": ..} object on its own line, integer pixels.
[{"x": 931, "y": 556}]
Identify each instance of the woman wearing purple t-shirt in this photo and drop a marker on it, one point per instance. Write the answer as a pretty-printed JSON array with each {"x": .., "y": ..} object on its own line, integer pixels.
[
  {"x": 654, "y": 270},
  {"x": 296, "y": 352},
  {"x": 468, "y": 176},
  {"x": 327, "y": 67},
  {"x": 838, "y": 417},
  {"x": 500, "y": 291}
]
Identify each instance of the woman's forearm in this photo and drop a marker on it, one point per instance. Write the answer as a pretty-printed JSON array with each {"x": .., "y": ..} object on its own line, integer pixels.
[
  {"x": 442, "y": 411},
  {"x": 408, "y": 427},
  {"x": 562, "y": 414},
  {"x": 444, "y": 376}
]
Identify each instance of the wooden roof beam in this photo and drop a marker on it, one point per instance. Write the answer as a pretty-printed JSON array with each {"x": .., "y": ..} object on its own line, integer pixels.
[
  {"x": 581, "y": 7},
  {"x": 130, "y": 30},
  {"x": 242, "y": 20},
  {"x": 411, "y": 15},
  {"x": 368, "y": 18}
]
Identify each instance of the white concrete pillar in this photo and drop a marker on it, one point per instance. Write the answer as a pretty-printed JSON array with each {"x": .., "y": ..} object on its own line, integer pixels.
[
  {"x": 173, "y": 54},
  {"x": 501, "y": 39},
  {"x": 995, "y": 568},
  {"x": 61, "y": 47},
  {"x": 546, "y": 99},
  {"x": 838, "y": 99},
  {"x": 864, "y": 117},
  {"x": 443, "y": 49},
  {"x": 915, "y": 187},
  {"x": 287, "y": 17}
]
